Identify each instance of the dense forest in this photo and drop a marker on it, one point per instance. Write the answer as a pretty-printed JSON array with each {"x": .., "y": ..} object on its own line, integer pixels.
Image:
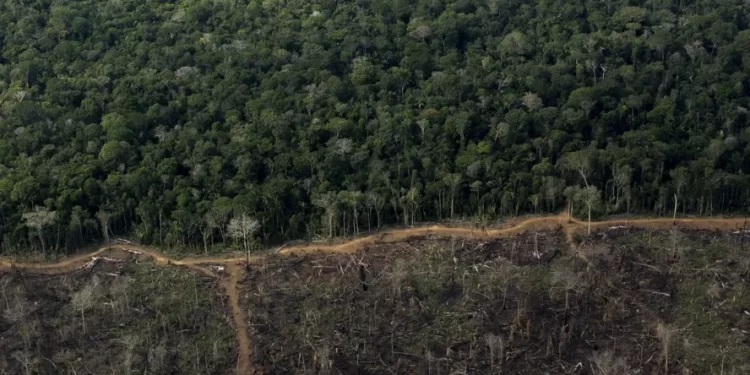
[{"x": 164, "y": 120}]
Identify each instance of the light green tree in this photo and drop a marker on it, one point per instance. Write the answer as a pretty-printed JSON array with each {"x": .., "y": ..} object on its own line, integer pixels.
[{"x": 38, "y": 219}]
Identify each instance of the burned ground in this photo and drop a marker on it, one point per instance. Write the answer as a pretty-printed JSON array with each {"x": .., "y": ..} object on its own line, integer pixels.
[
  {"x": 620, "y": 301},
  {"x": 118, "y": 317},
  {"x": 522, "y": 304}
]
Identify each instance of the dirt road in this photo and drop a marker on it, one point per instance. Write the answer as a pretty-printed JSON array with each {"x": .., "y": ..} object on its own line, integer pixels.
[
  {"x": 78, "y": 261},
  {"x": 235, "y": 271},
  {"x": 244, "y": 348}
]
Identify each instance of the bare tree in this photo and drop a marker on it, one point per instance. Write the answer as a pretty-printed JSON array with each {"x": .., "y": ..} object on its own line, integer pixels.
[
  {"x": 118, "y": 289},
  {"x": 580, "y": 162},
  {"x": 413, "y": 196},
  {"x": 28, "y": 329},
  {"x": 567, "y": 279},
  {"x": 675, "y": 236},
  {"x": 243, "y": 228},
  {"x": 501, "y": 130},
  {"x": 622, "y": 178},
  {"x": 130, "y": 342},
  {"x": 342, "y": 146},
  {"x": 206, "y": 229},
  {"x": 215, "y": 219},
  {"x": 396, "y": 279},
  {"x": 20, "y": 95},
  {"x": 421, "y": 32},
  {"x": 666, "y": 335},
  {"x": 324, "y": 359},
  {"x": 156, "y": 357},
  {"x": 713, "y": 290},
  {"x": 454, "y": 181},
  {"x": 591, "y": 198},
  {"x": 679, "y": 177},
  {"x": 104, "y": 217},
  {"x": 76, "y": 218},
  {"x": 17, "y": 311},
  {"x": 496, "y": 344},
  {"x": 38, "y": 219},
  {"x": 354, "y": 200},
  {"x": 532, "y": 101},
  {"x": 84, "y": 299},
  {"x": 423, "y": 124},
  {"x": 503, "y": 274},
  {"x": 593, "y": 66},
  {"x": 328, "y": 202},
  {"x": 4, "y": 285},
  {"x": 605, "y": 362},
  {"x": 28, "y": 361},
  {"x": 377, "y": 202},
  {"x": 186, "y": 72}
]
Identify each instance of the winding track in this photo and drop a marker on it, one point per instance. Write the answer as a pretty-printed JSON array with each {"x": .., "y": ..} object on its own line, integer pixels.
[{"x": 235, "y": 271}]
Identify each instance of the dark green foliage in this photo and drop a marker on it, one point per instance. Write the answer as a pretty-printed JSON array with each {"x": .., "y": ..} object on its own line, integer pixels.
[{"x": 165, "y": 113}]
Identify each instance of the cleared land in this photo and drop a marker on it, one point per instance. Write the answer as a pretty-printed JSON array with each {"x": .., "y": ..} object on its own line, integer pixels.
[
  {"x": 645, "y": 301},
  {"x": 535, "y": 297},
  {"x": 116, "y": 318}
]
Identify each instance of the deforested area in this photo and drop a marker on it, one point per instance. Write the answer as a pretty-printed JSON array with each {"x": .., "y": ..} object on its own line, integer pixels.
[
  {"x": 115, "y": 317},
  {"x": 625, "y": 301}
]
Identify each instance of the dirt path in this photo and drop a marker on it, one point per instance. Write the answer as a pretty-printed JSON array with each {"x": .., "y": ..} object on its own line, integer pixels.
[
  {"x": 78, "y": 261},
  {"x": 244, "y": 348},
  {"x": 235, "y": 272},
  {"x": 395, "y": 235}
]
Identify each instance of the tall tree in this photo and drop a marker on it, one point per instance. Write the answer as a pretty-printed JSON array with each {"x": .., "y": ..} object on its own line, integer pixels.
[
  {"x": 590, "y": 197},
  {"x": 453, "y": 180},
  {"x": 38, "y": 219},
  {"x": 580, "y": 162},
  {"x": 84, "y": 299},
  {"x": 328, "y": 201},
  {"x": 104, "y": 218},
  {"x": 243, "y": 227},
  {"x": 469, "y": 104}
]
